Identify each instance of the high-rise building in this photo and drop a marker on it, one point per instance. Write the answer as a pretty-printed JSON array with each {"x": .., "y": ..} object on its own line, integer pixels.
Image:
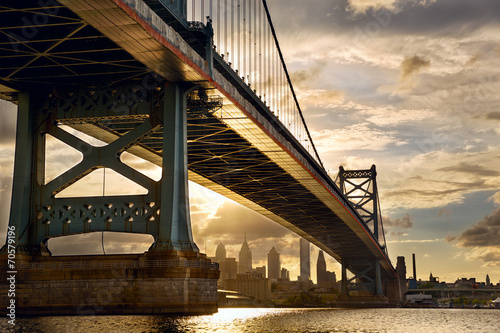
[
  {"x": 321, "y": 271},
  {"x": 245, "y": 257},
  {"x": 284, "y": 275},
  {"x": 305, "y": 260},
  {"x": 488, "y": 282},
  {"x": 220, "y": 253},
  {"x": 273, "y": 265}
]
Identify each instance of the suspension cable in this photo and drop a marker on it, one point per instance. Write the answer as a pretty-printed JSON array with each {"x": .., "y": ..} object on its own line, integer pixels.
[{"x": 289, "y": 81}]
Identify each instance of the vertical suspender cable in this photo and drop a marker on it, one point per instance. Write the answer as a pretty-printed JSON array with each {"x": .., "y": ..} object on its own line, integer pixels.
[
  {"x": 226, "y": 47},
  {"x": 219, "y": 44},
  {"x": 232, "y": 34},
  {"x": 255, "y": 59},
  {"x": 249, "y": 75},
  {"x": 289, "y": 81},
  {"x": 238, "y": 25},
  {"x": 244, "y": 54},
  {"x": 202, "y": 11},
  {"x": 260, "y": 49}
]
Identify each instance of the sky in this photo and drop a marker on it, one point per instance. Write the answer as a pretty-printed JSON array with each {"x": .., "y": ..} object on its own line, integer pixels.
[{"x": 410, "y": 86}]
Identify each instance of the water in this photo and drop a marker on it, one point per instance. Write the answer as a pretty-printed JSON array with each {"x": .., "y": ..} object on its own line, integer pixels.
[{"x": 276, "y": 320}]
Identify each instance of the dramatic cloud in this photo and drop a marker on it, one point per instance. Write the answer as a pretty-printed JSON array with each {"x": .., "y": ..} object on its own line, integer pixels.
[
  {"x": 489, "y": 256},
  {"x": 482, "y": 240},
  {"x": 413, "y": 65},
  {"x": 485, "y": 233}
]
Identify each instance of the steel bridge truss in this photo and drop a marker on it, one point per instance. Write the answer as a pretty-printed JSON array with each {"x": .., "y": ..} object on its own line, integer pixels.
[
  {"x": 124, "y": 117},
  {"x": 360, "y": 188}
]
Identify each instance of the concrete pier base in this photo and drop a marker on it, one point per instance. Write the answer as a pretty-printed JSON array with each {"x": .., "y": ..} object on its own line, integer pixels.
[
  {"x": 156, "y": 282},
  {"x": 362, "y": 302}
]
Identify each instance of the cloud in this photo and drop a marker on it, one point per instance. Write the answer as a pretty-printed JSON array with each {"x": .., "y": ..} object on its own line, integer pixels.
[
  {"x": 490, "y": 256},
  {"x": 444, "y": 212},
  {"x": 493, "y": 115},
  {"x": 495, "y": 198},
  {"x": 355, "y": 137},
  {"x": 450, "y": 239},
  {"x": 231, "y": 221},
  {"x": 92, "y": 243},
  {"x": 327, "y": 99},
  {"x": 405, "y": 222},
  {"x": 416, "y": 241},
  {"x": 362, "y": 6},
  {"x": 472, "y": 60},
  {"x": 413, "y": 65},
  {"x": 485, "y": 233},
  {"x": 475, "y": 169}
]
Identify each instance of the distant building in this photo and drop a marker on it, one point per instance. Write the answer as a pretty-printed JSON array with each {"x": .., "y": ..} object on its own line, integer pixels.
[
  {"x": 260, "y": 270},
  {"x": 331, "y": 279},
  {"x": 228, "y": 269},
  {"x": 433, "y": 279},
  {"x": 488, "y": 282},
  {"x": 284, "y": 275},
  {"x": 305, "y": 260},
  {"x": 220, "y": 253},
  {"x": 321, "y": 271},
  {"x": 273, "y": 265},
  {"x": 245, "y": 257},
  {"x": 251, "y": 284}
]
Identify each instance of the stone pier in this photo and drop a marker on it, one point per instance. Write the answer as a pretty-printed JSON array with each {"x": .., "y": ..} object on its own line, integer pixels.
[{"x": 168, "y": 282}]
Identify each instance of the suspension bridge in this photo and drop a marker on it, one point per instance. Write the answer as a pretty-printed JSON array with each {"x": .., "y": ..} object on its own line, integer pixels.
[{"x": 198, "y": 88}]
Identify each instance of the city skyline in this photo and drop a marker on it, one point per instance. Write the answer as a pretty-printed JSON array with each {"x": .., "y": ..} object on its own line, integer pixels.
[{"x": 409, "y": 86}]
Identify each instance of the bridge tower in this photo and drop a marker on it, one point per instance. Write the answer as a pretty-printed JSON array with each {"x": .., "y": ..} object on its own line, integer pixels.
[
  {"x": 360, "y": 188},
  {"x": 124, "y": 117}
]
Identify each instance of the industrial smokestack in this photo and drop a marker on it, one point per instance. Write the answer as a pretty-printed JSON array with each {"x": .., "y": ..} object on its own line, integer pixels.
[{"x": 414, "y": 267}]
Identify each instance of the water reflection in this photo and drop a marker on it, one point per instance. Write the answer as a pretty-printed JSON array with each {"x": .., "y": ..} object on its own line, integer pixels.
[{"x": 274, "y": 320}]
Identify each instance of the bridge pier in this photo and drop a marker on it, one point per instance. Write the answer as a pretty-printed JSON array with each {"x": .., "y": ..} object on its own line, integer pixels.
[
  {"x": 366, "y": 291},
  {"x": 123, "y": 117}
]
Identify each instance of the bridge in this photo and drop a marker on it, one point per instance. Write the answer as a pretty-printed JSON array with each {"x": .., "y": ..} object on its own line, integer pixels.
[{"x": 198, "y": 88}]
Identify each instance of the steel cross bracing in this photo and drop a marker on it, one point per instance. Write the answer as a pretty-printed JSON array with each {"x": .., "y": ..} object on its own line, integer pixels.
[{"x": 217, "y": 150}]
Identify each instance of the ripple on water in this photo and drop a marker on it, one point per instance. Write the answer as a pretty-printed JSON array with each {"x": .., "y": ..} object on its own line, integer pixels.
[{"x": 275, "y": 320}]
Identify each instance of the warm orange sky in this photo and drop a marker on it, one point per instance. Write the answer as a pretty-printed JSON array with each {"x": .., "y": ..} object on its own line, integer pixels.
[{"x": 411, "y": 86}]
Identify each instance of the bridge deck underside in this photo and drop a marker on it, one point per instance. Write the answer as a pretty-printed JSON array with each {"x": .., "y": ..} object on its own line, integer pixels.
[
  {"x": 220, "y": 155},
  {"x": 62, "y": 50},
  {"x": 50, "y": 45}
]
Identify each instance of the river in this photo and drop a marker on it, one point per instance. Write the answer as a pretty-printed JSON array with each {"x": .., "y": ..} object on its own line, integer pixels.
[{"x": 275, "y": 320}]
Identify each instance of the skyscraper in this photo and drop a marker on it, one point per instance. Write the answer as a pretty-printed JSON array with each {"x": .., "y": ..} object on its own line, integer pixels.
[
  {"x": 321, "y": 271},
  {"x": 245, "y": 257},
  {"x": 273, "y": 265},
  {"x": 305, "y": 260},
  {"x": 220, "y": 253}
]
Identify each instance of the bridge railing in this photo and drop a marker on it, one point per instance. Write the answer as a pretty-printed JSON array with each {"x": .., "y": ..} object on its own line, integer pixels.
[{"x": 244, "y": 37}]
